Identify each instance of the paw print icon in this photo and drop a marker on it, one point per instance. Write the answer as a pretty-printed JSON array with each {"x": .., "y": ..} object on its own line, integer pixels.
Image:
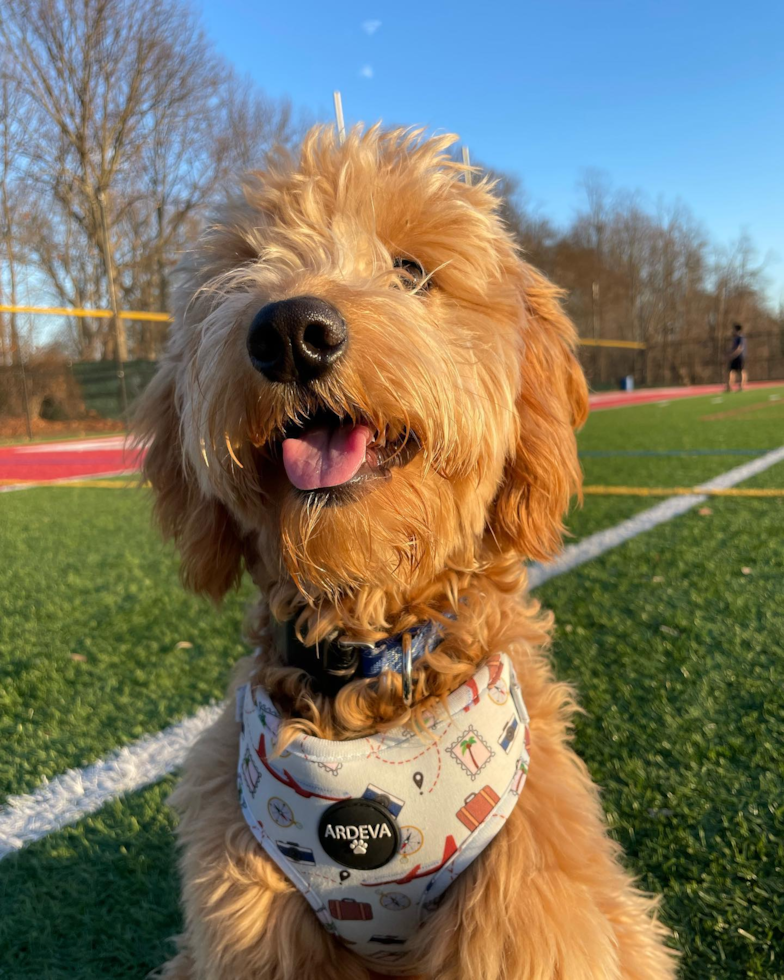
[{"x": 359, "y": 846}]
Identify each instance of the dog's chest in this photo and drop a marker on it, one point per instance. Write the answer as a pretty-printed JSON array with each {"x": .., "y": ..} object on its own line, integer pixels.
[{"x": 373, "y": 831}]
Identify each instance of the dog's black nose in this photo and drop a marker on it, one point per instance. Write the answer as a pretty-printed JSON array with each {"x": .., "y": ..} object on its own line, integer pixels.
[{"x": 296, "y": 339}]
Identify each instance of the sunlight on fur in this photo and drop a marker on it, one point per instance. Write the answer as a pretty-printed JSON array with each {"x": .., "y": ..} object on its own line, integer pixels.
[{"x": 465, "y": 380}]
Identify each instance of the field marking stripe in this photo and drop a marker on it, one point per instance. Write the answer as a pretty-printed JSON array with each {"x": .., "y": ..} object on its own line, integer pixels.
[
  {"x": 67, "y": 798},
  {"x": 664, "y": 453},
  {"x": 744, "y": 410},
  {"x": 589, "y": 491},
  {"x": 101, "y": 485},
  {"x": 613, "y": 491},
  {"x": 578, "y": 554},
  {"x": 61, "y": 481},
  {"x": 78, "y": 792}
]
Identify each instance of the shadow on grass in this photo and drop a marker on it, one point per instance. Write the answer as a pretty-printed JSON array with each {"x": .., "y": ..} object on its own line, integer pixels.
[{"x": 98, "y": 901}]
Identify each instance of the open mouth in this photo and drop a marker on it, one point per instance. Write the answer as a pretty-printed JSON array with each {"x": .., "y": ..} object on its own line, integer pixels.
[{"x": 327, "y": 452}]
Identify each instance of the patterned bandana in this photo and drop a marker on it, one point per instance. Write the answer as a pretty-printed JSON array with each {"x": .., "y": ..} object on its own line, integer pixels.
[{"x": 373, "y": 831}]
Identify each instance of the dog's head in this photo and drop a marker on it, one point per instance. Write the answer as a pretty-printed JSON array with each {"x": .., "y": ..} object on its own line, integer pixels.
[{"x": 365, "y": 384}]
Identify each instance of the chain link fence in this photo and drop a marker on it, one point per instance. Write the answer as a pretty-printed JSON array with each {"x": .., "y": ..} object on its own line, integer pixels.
[
  {"x": 682, "y": 362},
  {"x": 46, "y": 393},
  {"x": 50, "y": 395}
]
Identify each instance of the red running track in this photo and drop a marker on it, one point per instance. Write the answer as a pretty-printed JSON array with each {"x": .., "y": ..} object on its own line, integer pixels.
[
  {"x": 620, "y": 399},
  {"x": 45, "y": 462}
]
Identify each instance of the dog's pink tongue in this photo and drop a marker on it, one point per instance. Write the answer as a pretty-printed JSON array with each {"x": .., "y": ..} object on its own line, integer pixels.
[{"x": 325, "y": 457}]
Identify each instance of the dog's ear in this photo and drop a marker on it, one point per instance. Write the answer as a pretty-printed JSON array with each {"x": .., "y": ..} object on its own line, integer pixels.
[
  {"x": 542, "y": 472},
  {"x": 209, "y": 541}
]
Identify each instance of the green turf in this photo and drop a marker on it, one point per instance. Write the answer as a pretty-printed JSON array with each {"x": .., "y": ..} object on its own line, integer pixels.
[
  {"x": 598, "y": 513},
  {"x": 772, "y": 479},
  {"x": 676, "y": 652},
  {"x": 679, "y": 658},
  {"x": 91, "y": 615},
  {"x": 97, "y": 901},
  {"x": 681, "y": 424},
  {"x": 676, "y": 425}
]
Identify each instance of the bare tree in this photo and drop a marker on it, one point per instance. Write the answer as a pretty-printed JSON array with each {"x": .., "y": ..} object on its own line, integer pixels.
[
  {"x": 129, "y": 101},
  {"x": 591, "y": 222},
  {"x": 11, "y": 207}
]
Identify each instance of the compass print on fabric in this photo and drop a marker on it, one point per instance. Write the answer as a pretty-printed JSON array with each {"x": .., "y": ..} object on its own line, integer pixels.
[
  {"x": 280, "y": 812},
  {"x": 411, "y": 840},
  {"x": 498, "y": 692},
  {"x": 394, "y": 901}
]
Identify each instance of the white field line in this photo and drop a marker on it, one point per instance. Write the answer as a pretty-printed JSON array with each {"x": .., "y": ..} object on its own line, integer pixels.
[
  {"x": 78, "y": 792},
  {"x": 578, "y": 554},
  {"x": 67, "y": 798}
]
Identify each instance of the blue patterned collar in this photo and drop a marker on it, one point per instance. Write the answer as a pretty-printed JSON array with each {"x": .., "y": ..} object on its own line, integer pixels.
[
  {"x": 389, "y": 654},
  {"x": 337, "y": 660}
]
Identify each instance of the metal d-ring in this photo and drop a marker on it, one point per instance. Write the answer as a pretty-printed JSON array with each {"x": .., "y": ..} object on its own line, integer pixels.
[{"x": 408, "y": 680}]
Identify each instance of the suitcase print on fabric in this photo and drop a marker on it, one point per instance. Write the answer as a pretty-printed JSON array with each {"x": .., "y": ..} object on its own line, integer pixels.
[
  {"x": 295, "y": 852},
  {"x": 250, "y": 773},
  {"x": 472, "y": 691},
  {"x": 350, "y": 910},
  {"x": 471, "y": 751},
  {"x": 508, "y": 734},
  {"x": 478, "y": 807}
]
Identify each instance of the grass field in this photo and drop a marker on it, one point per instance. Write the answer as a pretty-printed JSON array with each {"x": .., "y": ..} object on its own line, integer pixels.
[{"x": 674, "y": 640}]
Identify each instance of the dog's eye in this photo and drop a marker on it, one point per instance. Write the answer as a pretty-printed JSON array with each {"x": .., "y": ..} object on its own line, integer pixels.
[{"x": 413, "y": 275}]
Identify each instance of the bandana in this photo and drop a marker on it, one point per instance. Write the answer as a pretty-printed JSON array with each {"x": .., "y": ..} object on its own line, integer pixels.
[{"x": 373, "y": 830}]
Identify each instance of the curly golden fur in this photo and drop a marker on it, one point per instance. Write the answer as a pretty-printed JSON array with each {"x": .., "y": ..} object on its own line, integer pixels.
[{"x": 475, "y": 376}]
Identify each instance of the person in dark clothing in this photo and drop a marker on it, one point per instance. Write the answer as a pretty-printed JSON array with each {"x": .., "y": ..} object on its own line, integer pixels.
[{"x": 737, "y": 358}]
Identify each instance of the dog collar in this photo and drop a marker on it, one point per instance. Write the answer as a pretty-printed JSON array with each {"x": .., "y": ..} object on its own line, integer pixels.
[{"x": 337, "y": 660}]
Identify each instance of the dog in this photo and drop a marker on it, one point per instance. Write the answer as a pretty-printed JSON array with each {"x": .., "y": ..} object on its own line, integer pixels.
[{"x": 368, "y": 403}]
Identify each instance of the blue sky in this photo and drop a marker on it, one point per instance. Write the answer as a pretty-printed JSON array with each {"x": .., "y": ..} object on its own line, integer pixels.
[{"x": 678, "y": 100}]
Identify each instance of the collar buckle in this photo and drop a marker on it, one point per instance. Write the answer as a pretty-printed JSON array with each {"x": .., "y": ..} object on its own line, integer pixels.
[
  {"x": 343, "y": 641},
  {"x": 339, "y": 659}
]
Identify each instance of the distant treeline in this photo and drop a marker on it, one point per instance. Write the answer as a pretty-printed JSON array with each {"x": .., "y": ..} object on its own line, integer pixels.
[
  {"x": 650, "y": 274},
  {"x": 122, "y": 110}
]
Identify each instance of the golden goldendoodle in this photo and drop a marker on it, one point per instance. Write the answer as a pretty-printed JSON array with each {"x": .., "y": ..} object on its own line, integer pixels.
[{"x": 368, "y": 402}]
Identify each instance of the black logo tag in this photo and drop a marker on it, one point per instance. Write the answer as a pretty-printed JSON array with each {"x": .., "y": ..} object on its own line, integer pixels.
[{"x": 359, "y": 834}]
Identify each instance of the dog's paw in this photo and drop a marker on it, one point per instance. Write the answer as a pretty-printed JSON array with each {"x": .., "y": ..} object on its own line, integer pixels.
[{"x": 359, "y": 846}]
